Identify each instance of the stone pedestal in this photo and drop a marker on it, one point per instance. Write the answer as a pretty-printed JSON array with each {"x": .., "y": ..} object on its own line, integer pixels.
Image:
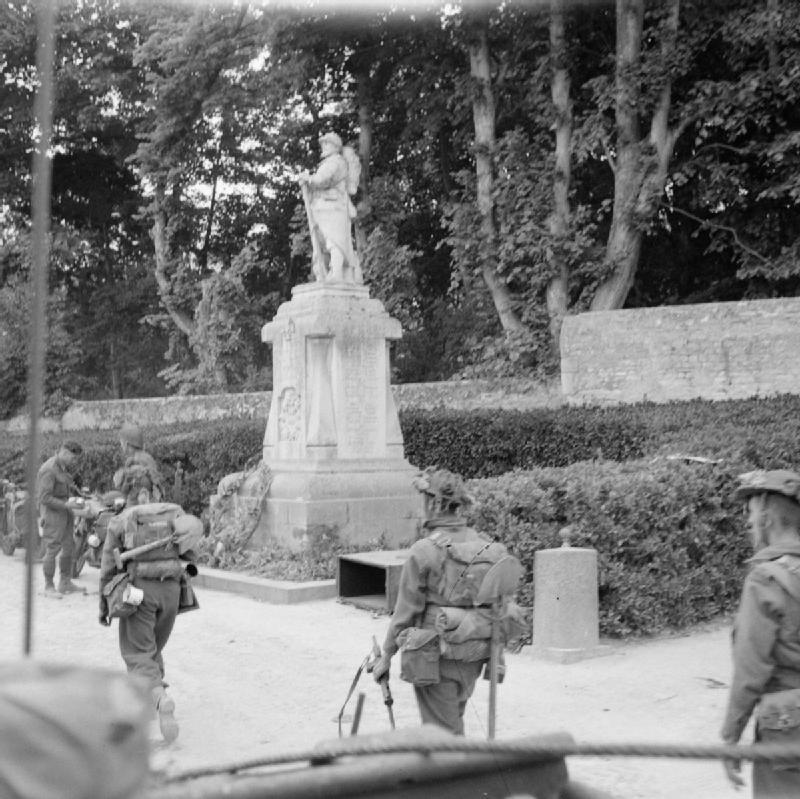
[
  {"x": 565, "y": 605},
  {"x": 333, "y": 438}
]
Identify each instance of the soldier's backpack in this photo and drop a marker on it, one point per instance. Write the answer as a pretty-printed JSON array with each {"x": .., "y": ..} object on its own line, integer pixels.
[
  {"x": 144, "y": 524},
  {"x": 476, "y": 572}
]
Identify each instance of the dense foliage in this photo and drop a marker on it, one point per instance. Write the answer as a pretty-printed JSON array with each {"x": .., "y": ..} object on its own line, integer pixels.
[{"x": 178, "y": 228}]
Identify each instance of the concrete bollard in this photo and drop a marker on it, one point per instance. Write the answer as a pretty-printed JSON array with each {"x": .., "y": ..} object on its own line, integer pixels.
[{"x": 565, "y": 606}]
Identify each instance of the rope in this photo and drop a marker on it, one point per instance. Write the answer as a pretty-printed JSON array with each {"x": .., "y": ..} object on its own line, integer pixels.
[{"x": 774, "y": 753}]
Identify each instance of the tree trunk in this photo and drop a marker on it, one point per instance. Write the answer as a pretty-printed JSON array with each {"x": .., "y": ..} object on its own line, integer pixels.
[
  {"x": 162, "y": 257},
  {"x": 641, "y": 167},
  {"x": 773, "y": 13},
  {"x": 557, "y": 290},
  {"x": 114, "y": 370},
  {"x": 365, "y": 126},
  {"x": 484, "y": 119}
]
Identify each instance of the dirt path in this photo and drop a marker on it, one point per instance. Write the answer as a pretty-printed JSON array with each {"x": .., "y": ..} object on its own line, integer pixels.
[{"x": 251, "y": 678}]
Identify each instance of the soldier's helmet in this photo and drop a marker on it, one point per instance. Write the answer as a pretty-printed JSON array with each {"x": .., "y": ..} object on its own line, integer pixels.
[
  {"x": 444, "y": 488},
  {"x": 777, "y": 481},
  {"x": 132, "y": 434},
  {"x": 333, "y": 138}
]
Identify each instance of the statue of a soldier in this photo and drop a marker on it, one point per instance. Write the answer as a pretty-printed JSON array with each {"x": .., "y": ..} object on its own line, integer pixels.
[{"x": 327, "y": 196}]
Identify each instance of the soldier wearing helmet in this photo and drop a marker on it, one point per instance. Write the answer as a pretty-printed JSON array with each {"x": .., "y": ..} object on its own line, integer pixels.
[
  {"x": 440, "y": 625},
  {"x": 766, "y": 641},
  {"x": 139, "y": 478},
  {"x": 158, "y": 541}
]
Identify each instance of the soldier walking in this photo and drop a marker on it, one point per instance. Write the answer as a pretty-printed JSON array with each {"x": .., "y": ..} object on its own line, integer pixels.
[{"x": 442, "y": 624}]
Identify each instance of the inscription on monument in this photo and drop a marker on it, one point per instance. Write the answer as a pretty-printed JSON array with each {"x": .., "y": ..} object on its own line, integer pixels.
[
  {"x": 363, "y": 421},
  {"x": 289, "y": 415}
]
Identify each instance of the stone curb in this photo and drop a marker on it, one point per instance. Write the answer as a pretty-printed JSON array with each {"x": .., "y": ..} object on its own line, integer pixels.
[{"x": 278, "y": 592}]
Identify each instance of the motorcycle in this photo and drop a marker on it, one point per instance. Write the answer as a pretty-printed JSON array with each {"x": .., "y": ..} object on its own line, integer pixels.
[
  {"x": 91, "y": 526},
  {"x": 13, "y": 504}
]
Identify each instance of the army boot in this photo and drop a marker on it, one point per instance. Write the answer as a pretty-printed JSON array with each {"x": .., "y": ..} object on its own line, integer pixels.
[
  {"x": 49, "y": 570},
  {"x": 50, "y": 590},
  {"x": 66, "y": 586},
  {"x": 165, "y": 707}
]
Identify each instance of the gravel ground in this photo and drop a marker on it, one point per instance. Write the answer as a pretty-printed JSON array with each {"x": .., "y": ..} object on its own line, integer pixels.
[{"x": 251, "y": 678}]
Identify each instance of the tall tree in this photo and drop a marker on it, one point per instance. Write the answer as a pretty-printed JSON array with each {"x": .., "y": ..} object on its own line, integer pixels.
[
  {"x": 558, "y": 287},
  {"x": 640, "y": 165},
  {"x": 483, "y": 111}
]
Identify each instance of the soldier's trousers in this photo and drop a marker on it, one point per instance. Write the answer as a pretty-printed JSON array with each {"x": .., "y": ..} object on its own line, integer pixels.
[
  {"x": 57, "y": 540},
  {"x": 445, "y": 702},
  {"x": 144, "y": 634}
]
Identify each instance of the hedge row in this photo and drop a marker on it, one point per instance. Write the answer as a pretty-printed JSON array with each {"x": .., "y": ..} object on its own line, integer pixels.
[
  {"x": 670, "y": 539},
  {"x": 475, "y": 444},
  {"x": 206, "y": 452}
]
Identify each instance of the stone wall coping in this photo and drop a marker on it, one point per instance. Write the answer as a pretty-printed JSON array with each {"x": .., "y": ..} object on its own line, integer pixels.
[{"x": 456, "y": 394}]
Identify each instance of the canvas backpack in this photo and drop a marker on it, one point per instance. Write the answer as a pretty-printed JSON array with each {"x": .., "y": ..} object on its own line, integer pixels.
[{"x": 465, "y": 568}]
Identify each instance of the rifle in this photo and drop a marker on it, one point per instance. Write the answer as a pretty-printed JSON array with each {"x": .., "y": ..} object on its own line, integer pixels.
[
  {"x": 367, "y": 665},
  {"x": 316, "y": 256},
  {"x": 383, "y": 682}
]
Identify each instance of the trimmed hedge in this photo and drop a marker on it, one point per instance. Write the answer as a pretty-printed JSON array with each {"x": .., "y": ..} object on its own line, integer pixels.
[
  {"x": 670, "y": 539},
  {"x": 488, "y": 443},
  {"x": 476, "y": 444}
]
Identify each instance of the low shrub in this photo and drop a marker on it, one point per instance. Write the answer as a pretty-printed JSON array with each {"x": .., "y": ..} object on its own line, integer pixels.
[{"x": 670, "y": 539}]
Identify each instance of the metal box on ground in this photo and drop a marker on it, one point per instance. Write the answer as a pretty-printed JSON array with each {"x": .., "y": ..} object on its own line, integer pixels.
[{"x": 370, "y": 579}]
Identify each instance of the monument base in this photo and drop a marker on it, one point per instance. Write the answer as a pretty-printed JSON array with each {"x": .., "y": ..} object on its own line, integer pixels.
[{"x": 361, "y": 502}]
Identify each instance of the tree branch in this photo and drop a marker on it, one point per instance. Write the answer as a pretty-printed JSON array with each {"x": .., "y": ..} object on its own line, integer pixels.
[{"x": 726, "y": 228}]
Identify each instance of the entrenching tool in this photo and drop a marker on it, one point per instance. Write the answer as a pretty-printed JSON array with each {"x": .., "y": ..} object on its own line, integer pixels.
[{"x": 120, "y": 558}]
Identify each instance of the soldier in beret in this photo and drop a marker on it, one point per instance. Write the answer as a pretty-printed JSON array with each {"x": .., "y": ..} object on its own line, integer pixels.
[{"x": 766, "y": 638}]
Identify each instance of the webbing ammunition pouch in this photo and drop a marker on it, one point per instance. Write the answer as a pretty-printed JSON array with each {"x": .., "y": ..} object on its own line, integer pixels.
[
  {"x": 188, "y": 598},
  {"x": 419, "y": 656},
  {"x": 779, "y": 710},
  {"x": 114, "y": 593},
  {"x": 778, "y": 721}
]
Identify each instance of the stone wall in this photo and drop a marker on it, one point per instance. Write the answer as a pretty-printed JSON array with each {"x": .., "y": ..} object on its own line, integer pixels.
[
  {"x": 110, "y": 414},
  {"x": 717, "y": 351}
]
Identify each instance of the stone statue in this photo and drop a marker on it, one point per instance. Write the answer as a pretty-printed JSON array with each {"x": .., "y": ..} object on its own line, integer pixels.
[{"x": 330, "y": 211}]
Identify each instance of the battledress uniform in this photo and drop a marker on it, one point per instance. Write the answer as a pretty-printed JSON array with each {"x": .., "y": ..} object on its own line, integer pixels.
[
  {"x": 417, "y": 603},
  {"x": 144, "y": 634},
  {"x": 766, "y": 661},
  {"x": 53, "y": 483}
]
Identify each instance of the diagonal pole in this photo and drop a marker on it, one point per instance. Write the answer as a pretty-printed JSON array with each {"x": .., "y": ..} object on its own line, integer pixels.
[
  {"x": 40, "y": 254},
  {"x": 316, "y": 257}
]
